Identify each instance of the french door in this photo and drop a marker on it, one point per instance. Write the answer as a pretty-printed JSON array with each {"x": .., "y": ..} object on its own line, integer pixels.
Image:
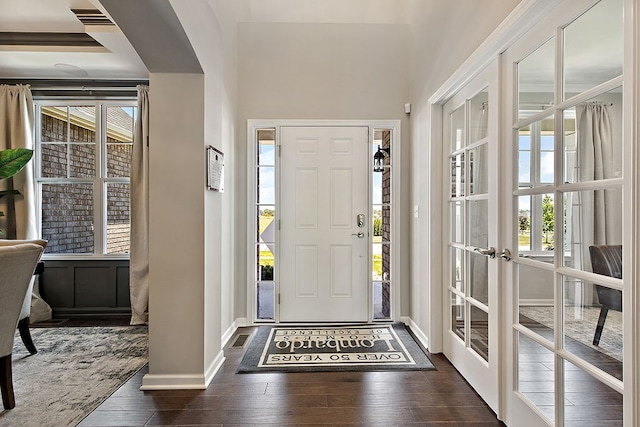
[
  {"x": 470, "y": 146},
  {"x": 565, "y": 178}
]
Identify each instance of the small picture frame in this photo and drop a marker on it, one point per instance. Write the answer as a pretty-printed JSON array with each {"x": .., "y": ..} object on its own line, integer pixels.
[{"x": 215, "y": 169}]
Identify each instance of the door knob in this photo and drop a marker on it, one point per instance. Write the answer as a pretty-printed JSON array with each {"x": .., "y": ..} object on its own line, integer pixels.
[
  {"x": 360, "y": 235},
  {"x": 490, "y": 251},
  {"x": 505, "y": 254}
]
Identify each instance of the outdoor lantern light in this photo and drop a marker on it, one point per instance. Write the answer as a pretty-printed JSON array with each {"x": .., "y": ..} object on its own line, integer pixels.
[{"x": 378, "y": 158}]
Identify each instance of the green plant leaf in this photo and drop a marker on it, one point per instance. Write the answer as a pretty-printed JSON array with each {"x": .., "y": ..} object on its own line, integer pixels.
[{"x": 13, "y": 160}]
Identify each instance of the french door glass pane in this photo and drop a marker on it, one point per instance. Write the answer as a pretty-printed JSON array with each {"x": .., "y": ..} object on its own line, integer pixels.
[
  {"x": 457, "y": 175},
  {"x": 596, "y": 34},
  {"x": 536, "y": 300},
  {"x": 583, "y": 304},
  {"x": 479, "y": 116},
  {"x": 457, "y": 316},
  {"x": 588, "y": 400},
  {"x": 457, "y": 129},
  {"x": 457, "y": 222},
  {"x": 478, "y": 216},
  {"x": 524, "y": 224},
  {"x": 118, "y": 219},
  {"x": 478, "y": 170},
  {"x": 479, "y": 277},
  {"x": 536, "y": 378},
  {"x": 457, "y": 265},
  {"x": 592, "y": 141},
  {"x": 536, "y": 81},
  {"x": 480, "y": 332},
  {"x": 591, "y": 217}
]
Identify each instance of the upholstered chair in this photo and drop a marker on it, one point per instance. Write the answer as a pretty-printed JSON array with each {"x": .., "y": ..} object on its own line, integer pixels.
[
  {"x": 17, "y": 264},
  {"x": 23, "y": 324},
  {"x": 606, "y": 260}
]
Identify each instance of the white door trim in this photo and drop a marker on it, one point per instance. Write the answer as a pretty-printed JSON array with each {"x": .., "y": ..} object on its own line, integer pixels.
[{"x": 395, "y": 126}]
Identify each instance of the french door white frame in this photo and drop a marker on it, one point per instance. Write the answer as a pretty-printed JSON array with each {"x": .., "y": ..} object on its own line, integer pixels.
[
  {"x": 523, "y": 18},
  {"x": 253, "y": 125}
]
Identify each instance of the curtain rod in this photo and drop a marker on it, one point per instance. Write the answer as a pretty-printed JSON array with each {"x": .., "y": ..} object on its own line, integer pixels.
[{"x": 77, "y": 85}]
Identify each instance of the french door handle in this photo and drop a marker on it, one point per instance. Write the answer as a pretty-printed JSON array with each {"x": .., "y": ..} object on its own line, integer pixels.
[
  {"x": 505, "y": 254},
  {"x": 360, "y": 235},
  {"x": 490, "y": 252}
]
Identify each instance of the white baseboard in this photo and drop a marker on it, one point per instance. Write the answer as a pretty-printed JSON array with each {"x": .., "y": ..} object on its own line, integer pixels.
[
  {"x": 183, "y": 382},
  {"x": 424, "y": 340}
]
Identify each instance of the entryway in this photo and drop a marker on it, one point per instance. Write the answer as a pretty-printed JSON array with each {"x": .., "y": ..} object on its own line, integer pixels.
[{"x": 325, "y": 225}]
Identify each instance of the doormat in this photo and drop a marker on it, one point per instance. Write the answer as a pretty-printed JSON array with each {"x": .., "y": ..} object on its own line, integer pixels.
[{"x": 334, "y": 348}]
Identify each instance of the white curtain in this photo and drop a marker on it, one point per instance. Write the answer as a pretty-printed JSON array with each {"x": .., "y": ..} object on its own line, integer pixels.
[
  {"x": 139, "y": 251},
  {"x": 595, "y": 213},
  {"x": 17, "y": 131}
]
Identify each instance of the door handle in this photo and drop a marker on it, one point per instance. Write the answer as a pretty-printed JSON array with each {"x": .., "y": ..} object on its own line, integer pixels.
[
  {"x": 360, "y": 235},
  {"x": 490, "y": 252},
  {"x": 505, "y": 254}
]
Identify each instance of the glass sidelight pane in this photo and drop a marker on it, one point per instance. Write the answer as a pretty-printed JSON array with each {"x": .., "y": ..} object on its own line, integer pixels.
[
  {"x": 479, "y": 277},
  {"x": 266, "y": 185},
  {"x": 479, "y": 116},
  {"x": 479, "y": 170},
  {"x": 266, "y": 224},
  {"x": 479, "y": 340},
  {"x": 457, "y": 176},
  {"x": 536, "y": 80},
  {"x": 536, "y": 378},
  {"x": 265, "y": 267},
  {"x": 598, "y": 33},
  {"x": 592, "y": 142},
  {"x": 266, "y": 147},
  {"x": 457, "y": 121},
  {"x": 381, "y": 261},
  {"x": 265, "y": 298},
  {"x": 536, "y": 300},
  {"x": 592, "y": 217},
  {"x": 381, "y": 300},
  {"x": 584, "y": 303},
  {"x": 457, "y": 315},
  {"x": 588, "y": 400}
]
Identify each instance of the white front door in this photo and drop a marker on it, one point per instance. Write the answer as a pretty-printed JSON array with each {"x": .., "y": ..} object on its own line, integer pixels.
[
  {"x": 324, "y": 224},
  {"x": 471, "y": 288}
]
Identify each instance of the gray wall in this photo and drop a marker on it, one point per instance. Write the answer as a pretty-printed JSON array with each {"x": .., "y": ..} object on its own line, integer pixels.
[{"x": 320, "y": 71}]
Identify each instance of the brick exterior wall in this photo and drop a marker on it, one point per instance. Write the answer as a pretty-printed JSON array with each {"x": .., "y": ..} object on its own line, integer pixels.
[
  {"x": 67, "y": 209},
  {"x": 386, "y": 228}
]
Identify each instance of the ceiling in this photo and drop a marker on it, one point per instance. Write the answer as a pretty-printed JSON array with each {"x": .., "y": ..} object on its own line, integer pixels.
[{"x": 41, "y": 57}]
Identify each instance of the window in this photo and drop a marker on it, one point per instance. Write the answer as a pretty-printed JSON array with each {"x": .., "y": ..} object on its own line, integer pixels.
[{"x": 83, "y": 154}]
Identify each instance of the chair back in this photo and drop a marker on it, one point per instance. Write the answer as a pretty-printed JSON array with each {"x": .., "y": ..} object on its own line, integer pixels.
[
  {"x": 17, "y": 263},
  {"x": 606, "y": 260}
]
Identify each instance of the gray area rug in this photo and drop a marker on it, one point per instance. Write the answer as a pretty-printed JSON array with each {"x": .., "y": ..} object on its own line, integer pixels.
[
  {"x": 580, "y": 324},
  {"x": 75, "y": 369},
  {"x": 381, "y": 347}
]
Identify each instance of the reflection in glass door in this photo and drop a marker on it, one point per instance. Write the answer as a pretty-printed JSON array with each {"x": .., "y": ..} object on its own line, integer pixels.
[
  {"x": 568, "y": 144},
  {"x": 471, "y": 340}
]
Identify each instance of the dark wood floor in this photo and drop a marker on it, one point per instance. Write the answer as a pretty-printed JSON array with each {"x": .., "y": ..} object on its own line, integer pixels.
[{"x": 408, "y": 398}]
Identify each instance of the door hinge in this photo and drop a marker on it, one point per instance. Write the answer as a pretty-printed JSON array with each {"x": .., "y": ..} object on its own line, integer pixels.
[
  {"x": 278, "y": 299},
  {"x": 278, "y": 224},
  {"x": 279, "y": 150}
]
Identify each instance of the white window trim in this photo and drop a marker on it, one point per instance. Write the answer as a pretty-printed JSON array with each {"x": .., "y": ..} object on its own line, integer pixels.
[{"x": 99, "y": 182}]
